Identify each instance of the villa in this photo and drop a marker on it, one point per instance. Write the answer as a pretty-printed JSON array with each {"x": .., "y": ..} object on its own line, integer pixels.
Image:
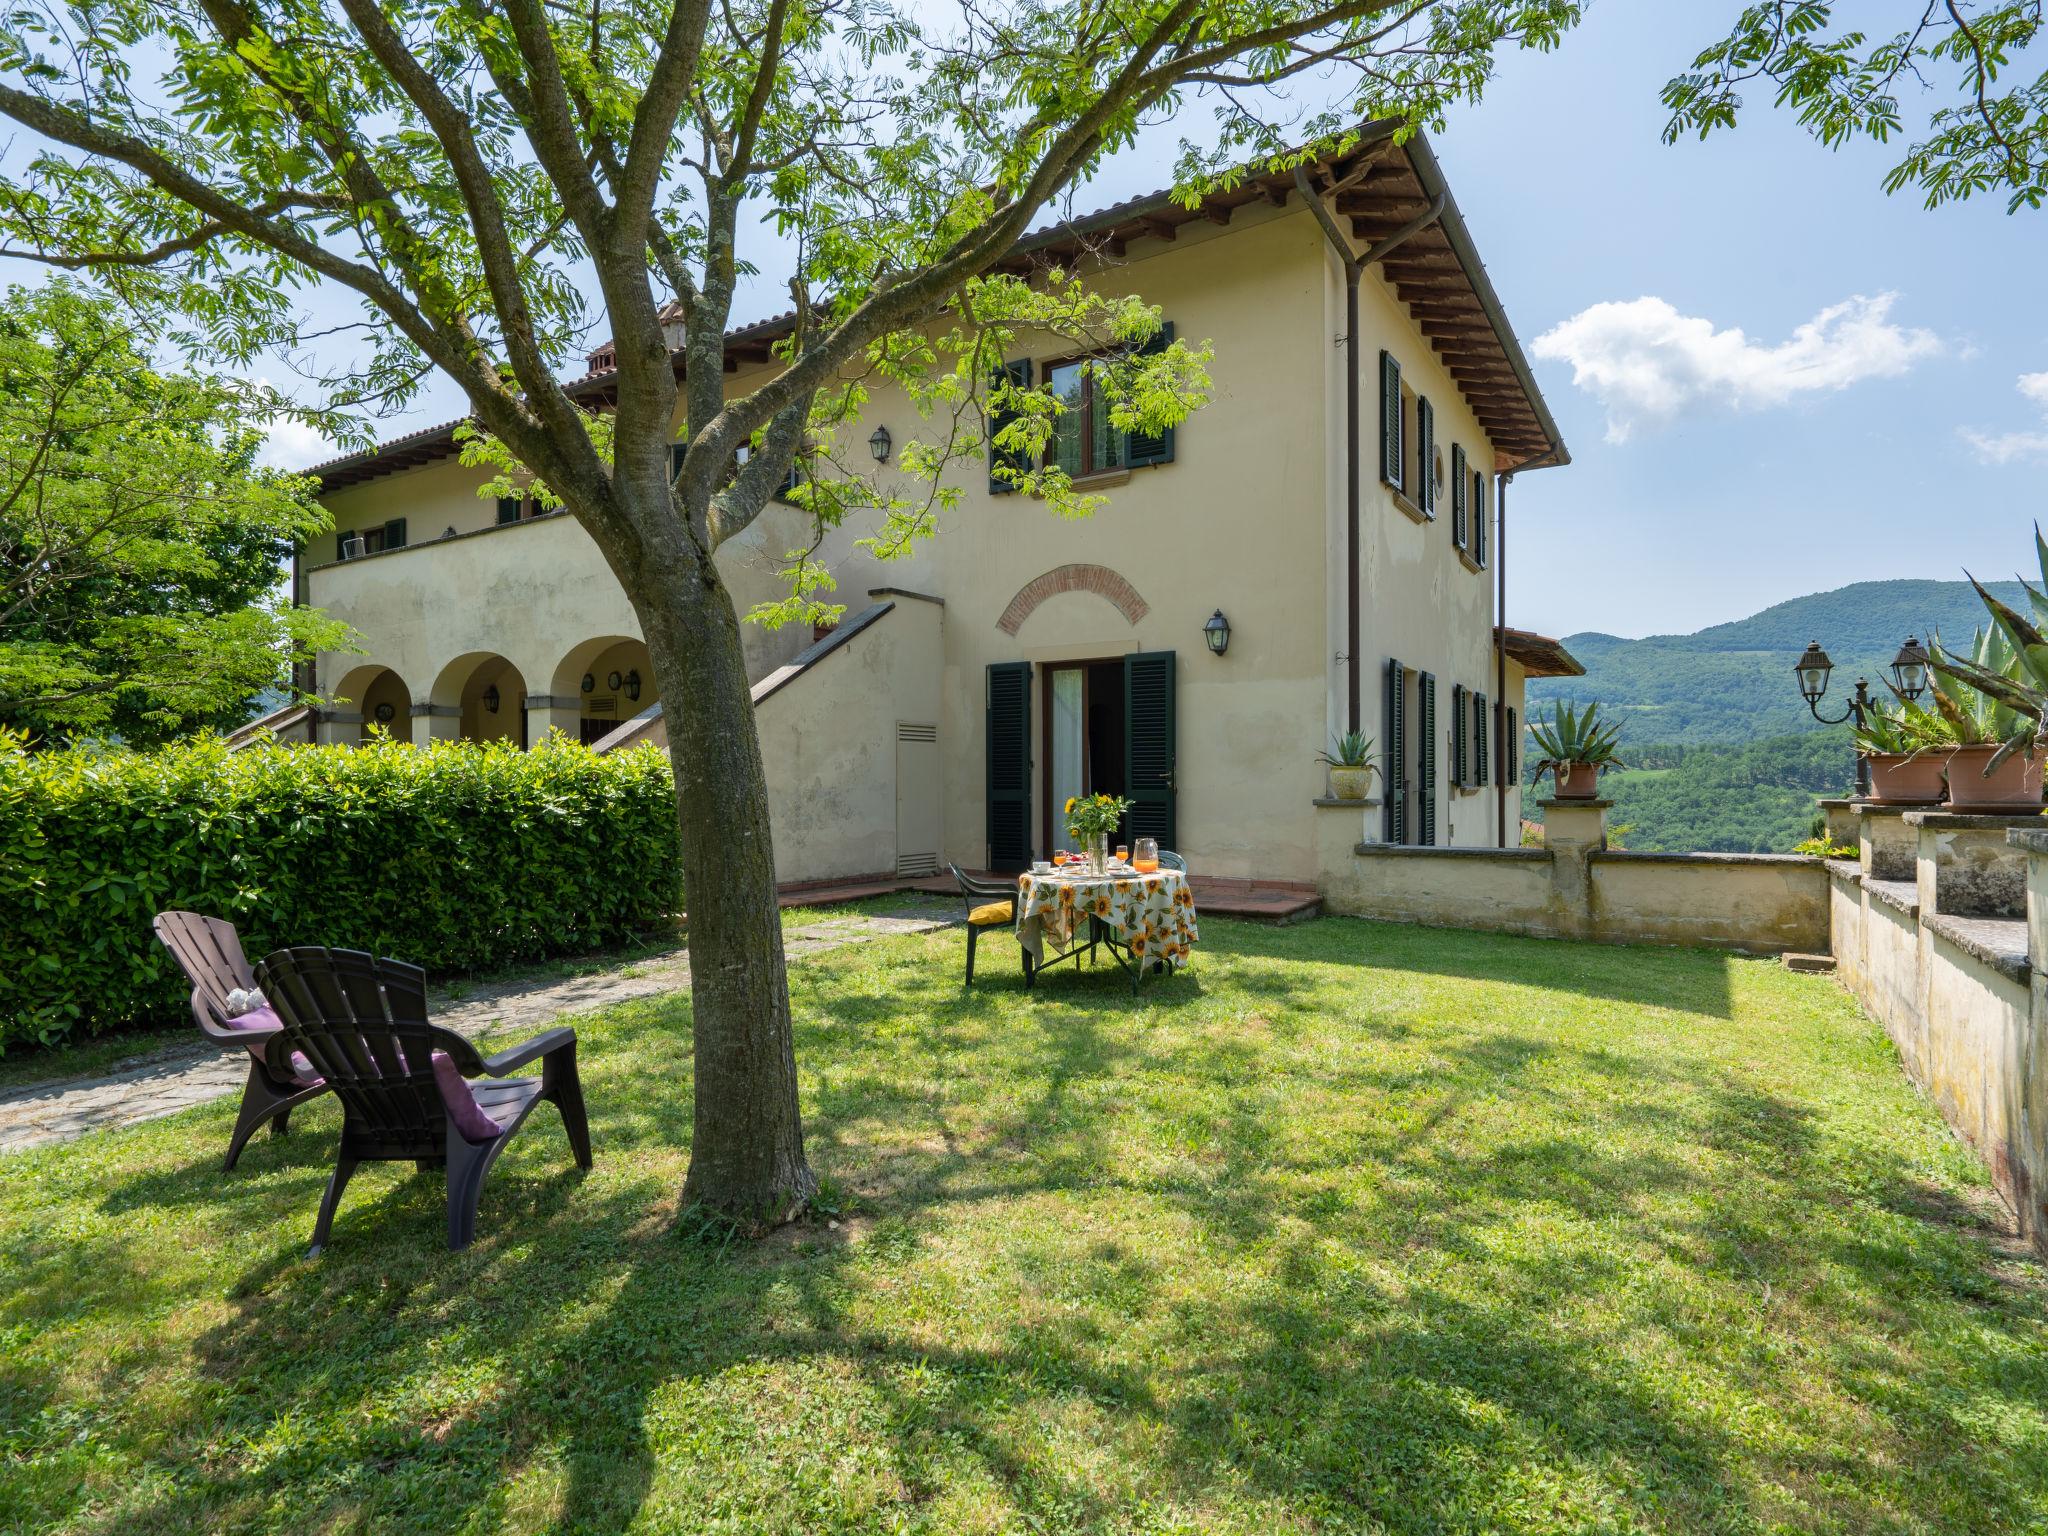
[{"x": 1315, "y": 551}]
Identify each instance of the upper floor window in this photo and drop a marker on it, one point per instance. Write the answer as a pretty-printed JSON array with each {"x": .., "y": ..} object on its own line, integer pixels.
[
  {"x": 357, "y": 542},
  {"x": 1083, "y": 440}
]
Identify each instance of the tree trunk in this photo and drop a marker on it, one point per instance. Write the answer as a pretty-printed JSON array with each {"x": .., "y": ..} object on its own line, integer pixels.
[{"x": 747, "y": 1152}]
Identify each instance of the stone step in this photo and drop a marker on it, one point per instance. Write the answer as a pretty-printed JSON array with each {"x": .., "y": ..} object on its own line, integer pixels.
[{"x": 1813, "y": 965}]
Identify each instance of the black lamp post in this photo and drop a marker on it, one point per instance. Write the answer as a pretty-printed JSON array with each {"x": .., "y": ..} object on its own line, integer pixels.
[{"x": 1909, "y": 678}]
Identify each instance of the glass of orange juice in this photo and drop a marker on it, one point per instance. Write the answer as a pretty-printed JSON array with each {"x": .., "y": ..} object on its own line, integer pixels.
[{"x": 1123, "y": 853}]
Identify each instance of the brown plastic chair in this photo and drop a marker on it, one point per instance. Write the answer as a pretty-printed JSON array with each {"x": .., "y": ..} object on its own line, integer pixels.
[
  {"x": 402, "y": 1082},
  {"x": 209, "y": 952}
]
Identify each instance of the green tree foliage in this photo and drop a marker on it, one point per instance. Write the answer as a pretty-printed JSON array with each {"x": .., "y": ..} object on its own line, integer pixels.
[
  {"x": 1733, "y": 682},
  {"x": 140, "y": 546},
  {"x": 458, "y": 856},
  {"x": 1758, "y": 797},
  {"x": 467, "y": 173},
  {"x": 1989, "y": 134}
]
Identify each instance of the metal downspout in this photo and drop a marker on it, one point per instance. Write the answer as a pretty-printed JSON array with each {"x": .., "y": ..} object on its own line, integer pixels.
[
  {"x": 1354, "y": 267},
  {"x": 1503, "y": 753},
  {"x": 1500, "y": 618}
]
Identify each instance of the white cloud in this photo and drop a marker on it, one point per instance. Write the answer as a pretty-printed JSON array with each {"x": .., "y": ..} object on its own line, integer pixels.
[
  {"x": 2005, "y": 447},
  {"x": 291, "y": 444},
  {"x": 1647, "y": 363}
]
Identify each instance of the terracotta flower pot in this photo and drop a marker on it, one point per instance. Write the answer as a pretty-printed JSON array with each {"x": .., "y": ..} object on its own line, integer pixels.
[
  {"x": 1350, "y": 783},
  {"x": 1576, "y": 781},
  {"x": 1905, "y": 778},
  {"x": 2014, "y": 785}
]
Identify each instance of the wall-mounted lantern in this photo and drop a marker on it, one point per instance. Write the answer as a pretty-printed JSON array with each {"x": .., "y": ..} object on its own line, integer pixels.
[
  {"x": 633, "y": 686},
  {"x": 492, "y": 699},
  {"x": 879, "y": 444},
  {"x": 1217, "y": 632}
]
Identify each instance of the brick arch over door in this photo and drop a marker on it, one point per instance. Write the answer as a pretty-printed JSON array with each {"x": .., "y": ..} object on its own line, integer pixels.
[{"x": 1099, "y": 579}]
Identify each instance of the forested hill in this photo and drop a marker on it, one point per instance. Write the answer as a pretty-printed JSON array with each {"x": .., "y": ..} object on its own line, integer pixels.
[{"x": 1733, "y": 682}]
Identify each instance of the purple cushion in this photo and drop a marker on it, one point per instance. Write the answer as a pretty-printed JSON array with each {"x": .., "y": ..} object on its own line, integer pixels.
[
  {"x": 259, "y": 1024},
  {"x": 262, "y": 1017},
  {"x": 464, "y": 1112}
]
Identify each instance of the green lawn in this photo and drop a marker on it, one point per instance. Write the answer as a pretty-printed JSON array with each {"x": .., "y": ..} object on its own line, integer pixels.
[{"x": 1352, "y": 1228}]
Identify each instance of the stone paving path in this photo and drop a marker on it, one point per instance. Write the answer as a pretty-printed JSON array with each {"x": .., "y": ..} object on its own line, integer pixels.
[{"x": 192, "y": 1071}]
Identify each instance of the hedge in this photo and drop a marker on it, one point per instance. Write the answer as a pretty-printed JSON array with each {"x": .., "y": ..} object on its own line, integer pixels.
[{"x": 461, "y": 856}]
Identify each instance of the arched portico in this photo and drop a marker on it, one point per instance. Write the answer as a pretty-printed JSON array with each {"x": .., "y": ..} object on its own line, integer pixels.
[
  {"x": 368, "y": 698},
  {"x": 598, "y": 686},
  {"x": 479, "y": 696}
]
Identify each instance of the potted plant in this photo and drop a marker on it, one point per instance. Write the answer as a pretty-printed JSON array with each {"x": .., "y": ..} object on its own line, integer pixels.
[
  {"x": 1993, "y": 767},
  {"x": 1091, "y": 821},
  {"x": 1351, "y": 765},
  {"x": 1576, "y": 748},
  {"x": 1905, "y": 766}
]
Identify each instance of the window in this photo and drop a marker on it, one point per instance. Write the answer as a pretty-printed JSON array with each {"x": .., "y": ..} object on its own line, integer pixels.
[
  {"x": 1478, "y": 517},
  {"x": 1083, "y": 441},
  {"x": 1461, "y": 519},
  {"x": 1428, "y": 473},
  {"x": 370, "y": 541}
]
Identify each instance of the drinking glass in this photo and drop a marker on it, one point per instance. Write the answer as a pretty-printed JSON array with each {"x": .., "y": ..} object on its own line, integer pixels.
[
  {"x": 1145, "y": 855},
  {"x": 1123, "y": 853}
]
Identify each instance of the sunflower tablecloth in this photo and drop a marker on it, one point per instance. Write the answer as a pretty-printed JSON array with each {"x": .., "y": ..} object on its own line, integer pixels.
[{"x": 1153, "y": 915}]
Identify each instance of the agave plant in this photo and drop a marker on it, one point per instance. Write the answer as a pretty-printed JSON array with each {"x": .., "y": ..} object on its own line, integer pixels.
[
  {"x": 2020, "y": 684},
  {"x": 1570, "y": 737},
  {"x": 1883, "y": 729},
  {"x": 1974, "y": 716},
  {"x": 1351, "y": 750}
]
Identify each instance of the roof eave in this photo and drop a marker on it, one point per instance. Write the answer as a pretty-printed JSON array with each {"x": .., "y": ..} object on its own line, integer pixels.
[{"x": 1430, "y": 173}]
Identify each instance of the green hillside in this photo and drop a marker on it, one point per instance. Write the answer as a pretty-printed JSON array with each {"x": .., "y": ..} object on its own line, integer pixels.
[
  {"x": 1757, "y": 797},
  {"x": 1723, "y": 755},
  {"x": 1733, "y": 682}
]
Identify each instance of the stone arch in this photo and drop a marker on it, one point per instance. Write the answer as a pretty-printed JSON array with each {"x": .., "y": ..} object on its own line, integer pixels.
[
  {"x": 363, "y": 698},
  {"x": 1099, "y": 579},
  {"x": 459, "y": 706},
  {"x": 603, "y": 708}
]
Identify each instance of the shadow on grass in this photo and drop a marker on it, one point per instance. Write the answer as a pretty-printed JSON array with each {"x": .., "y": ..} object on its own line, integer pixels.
[{"x": 1202, "y": 1252}]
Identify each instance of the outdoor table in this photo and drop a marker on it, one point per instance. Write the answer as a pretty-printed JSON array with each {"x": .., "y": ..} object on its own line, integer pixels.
[{"x": 1138, "y": 918}]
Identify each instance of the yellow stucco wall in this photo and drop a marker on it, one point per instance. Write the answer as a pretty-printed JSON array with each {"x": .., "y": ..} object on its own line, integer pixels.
[{"x": 1249, "y": 518}]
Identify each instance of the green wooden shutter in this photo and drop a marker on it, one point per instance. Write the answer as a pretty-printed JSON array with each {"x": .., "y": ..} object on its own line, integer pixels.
[
  {"x": 1458, "y": 735},
  {"x": 1149, "y": 745},
  {"x": 508, "y": 509},
  {"x": 1390, "y": 420},
  {"x": 1143, "y": 448},
  {"x": 1009, "y": 765},
  {"x": 1479, "y": 517},
  {"x": 1426, "y": 764},
  {"x": 1461, "y": 497},
  {"x": 1395, "y": 811},
  {"x": 1511, "y": 752},
  {"x": 1017, "y": 375},
  {"x": 394, "y": 533},
  {"x": 1425, "y": 456},
  {"x": 1479, "y": 736}
]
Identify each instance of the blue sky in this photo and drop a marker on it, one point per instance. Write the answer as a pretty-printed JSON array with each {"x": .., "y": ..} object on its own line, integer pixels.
[{"x": 1724, "y": 459}]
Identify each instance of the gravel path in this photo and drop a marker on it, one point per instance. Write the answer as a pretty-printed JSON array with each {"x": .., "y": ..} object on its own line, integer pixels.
[{"x": 192, "y": 1071}]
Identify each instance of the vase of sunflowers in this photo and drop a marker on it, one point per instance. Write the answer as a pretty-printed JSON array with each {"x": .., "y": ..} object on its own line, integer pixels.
[{"x": 1091, "y": 821}]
